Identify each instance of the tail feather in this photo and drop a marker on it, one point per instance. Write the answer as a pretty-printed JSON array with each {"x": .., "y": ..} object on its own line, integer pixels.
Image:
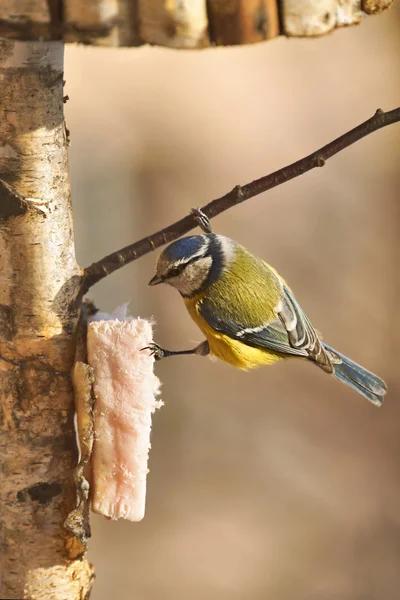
[{"x": 366, "y": 383}]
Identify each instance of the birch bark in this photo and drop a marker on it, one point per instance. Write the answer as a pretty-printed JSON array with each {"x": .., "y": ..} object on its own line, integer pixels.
[{"x": 38, "y": 283}]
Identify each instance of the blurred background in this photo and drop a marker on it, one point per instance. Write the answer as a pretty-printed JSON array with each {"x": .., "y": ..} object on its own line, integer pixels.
[{"x": 280, "y": 483}]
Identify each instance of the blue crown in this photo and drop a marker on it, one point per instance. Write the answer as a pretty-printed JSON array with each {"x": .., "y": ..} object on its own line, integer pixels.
[{"x": 183, "y": 248}]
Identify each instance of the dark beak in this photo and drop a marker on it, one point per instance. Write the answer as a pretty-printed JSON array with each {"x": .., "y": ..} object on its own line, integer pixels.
[{"x": 156, "y": 280}]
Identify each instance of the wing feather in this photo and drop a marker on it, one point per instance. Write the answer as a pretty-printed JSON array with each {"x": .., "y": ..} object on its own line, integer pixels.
[
  {"x": 301, "y": 333},
  {"x": 271, "y": 336},
  {"x": 291, "y": 333}
]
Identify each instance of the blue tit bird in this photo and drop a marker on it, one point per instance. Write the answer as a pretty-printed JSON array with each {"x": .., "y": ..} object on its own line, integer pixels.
[{"x": 247, "y": 312}]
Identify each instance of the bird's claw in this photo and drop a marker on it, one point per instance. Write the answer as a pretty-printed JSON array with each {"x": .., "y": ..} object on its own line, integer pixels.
[
  {"x": 202, "y": 220},
  {"x": 156, "y": 351}
]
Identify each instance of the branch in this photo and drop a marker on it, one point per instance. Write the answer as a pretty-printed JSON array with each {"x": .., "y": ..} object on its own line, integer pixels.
[{"x": 107, "y": 265}]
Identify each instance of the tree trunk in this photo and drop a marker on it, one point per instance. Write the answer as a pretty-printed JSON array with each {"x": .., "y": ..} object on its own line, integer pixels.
[{"x": 38, "y": 285}]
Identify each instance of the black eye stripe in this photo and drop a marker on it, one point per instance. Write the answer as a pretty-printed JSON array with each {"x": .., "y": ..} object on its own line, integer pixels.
[{"x": 175, "y": 271}]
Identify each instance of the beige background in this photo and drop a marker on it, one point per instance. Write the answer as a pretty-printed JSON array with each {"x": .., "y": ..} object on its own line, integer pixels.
[{"x": 278, "y": 484}]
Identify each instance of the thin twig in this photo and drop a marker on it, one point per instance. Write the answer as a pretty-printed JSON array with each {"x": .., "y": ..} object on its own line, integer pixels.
[{"x": 116, "y": 260}]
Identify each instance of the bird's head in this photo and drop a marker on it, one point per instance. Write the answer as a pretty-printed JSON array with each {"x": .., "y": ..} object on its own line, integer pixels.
[{"x": 193, "y": 263}]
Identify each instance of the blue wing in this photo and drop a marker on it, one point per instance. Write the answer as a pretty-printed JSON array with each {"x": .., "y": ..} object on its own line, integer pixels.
[{"x": 291, "y": 333}]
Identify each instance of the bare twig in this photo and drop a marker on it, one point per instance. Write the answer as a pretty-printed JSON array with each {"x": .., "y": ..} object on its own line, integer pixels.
[{"x": 118, "y": 259}]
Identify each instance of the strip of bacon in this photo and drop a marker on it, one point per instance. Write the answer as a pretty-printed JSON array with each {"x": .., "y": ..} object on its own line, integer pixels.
[{"x": 125, "y": 389}]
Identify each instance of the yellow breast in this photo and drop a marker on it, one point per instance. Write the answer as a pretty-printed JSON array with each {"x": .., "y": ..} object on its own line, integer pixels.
[{"x": 227, "y": 349}]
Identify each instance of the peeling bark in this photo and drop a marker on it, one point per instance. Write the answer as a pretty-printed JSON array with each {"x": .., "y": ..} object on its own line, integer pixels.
[
  {"x": 242, "y": 21},
  {"x": 372, "y": 7},
  {"x": 174, "y": 24},
  {"x": 38, "y": 315},
  {"x": 308, "y": 18},
  {"x": 177, "y": 24}
]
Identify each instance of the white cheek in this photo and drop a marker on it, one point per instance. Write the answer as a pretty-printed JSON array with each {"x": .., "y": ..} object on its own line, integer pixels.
[
  {"x": 172, "y": 281},
  {"x": 193, "y": 276}
]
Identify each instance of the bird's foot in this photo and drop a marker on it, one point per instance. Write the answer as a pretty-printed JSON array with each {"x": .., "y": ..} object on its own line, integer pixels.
[
  {"x": 156, "y": 351},
  {"x": 202, "y": 220}
]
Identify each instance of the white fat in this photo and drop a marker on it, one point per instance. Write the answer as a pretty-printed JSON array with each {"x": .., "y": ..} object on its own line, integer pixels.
[{"x": 119, "y": 314}]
